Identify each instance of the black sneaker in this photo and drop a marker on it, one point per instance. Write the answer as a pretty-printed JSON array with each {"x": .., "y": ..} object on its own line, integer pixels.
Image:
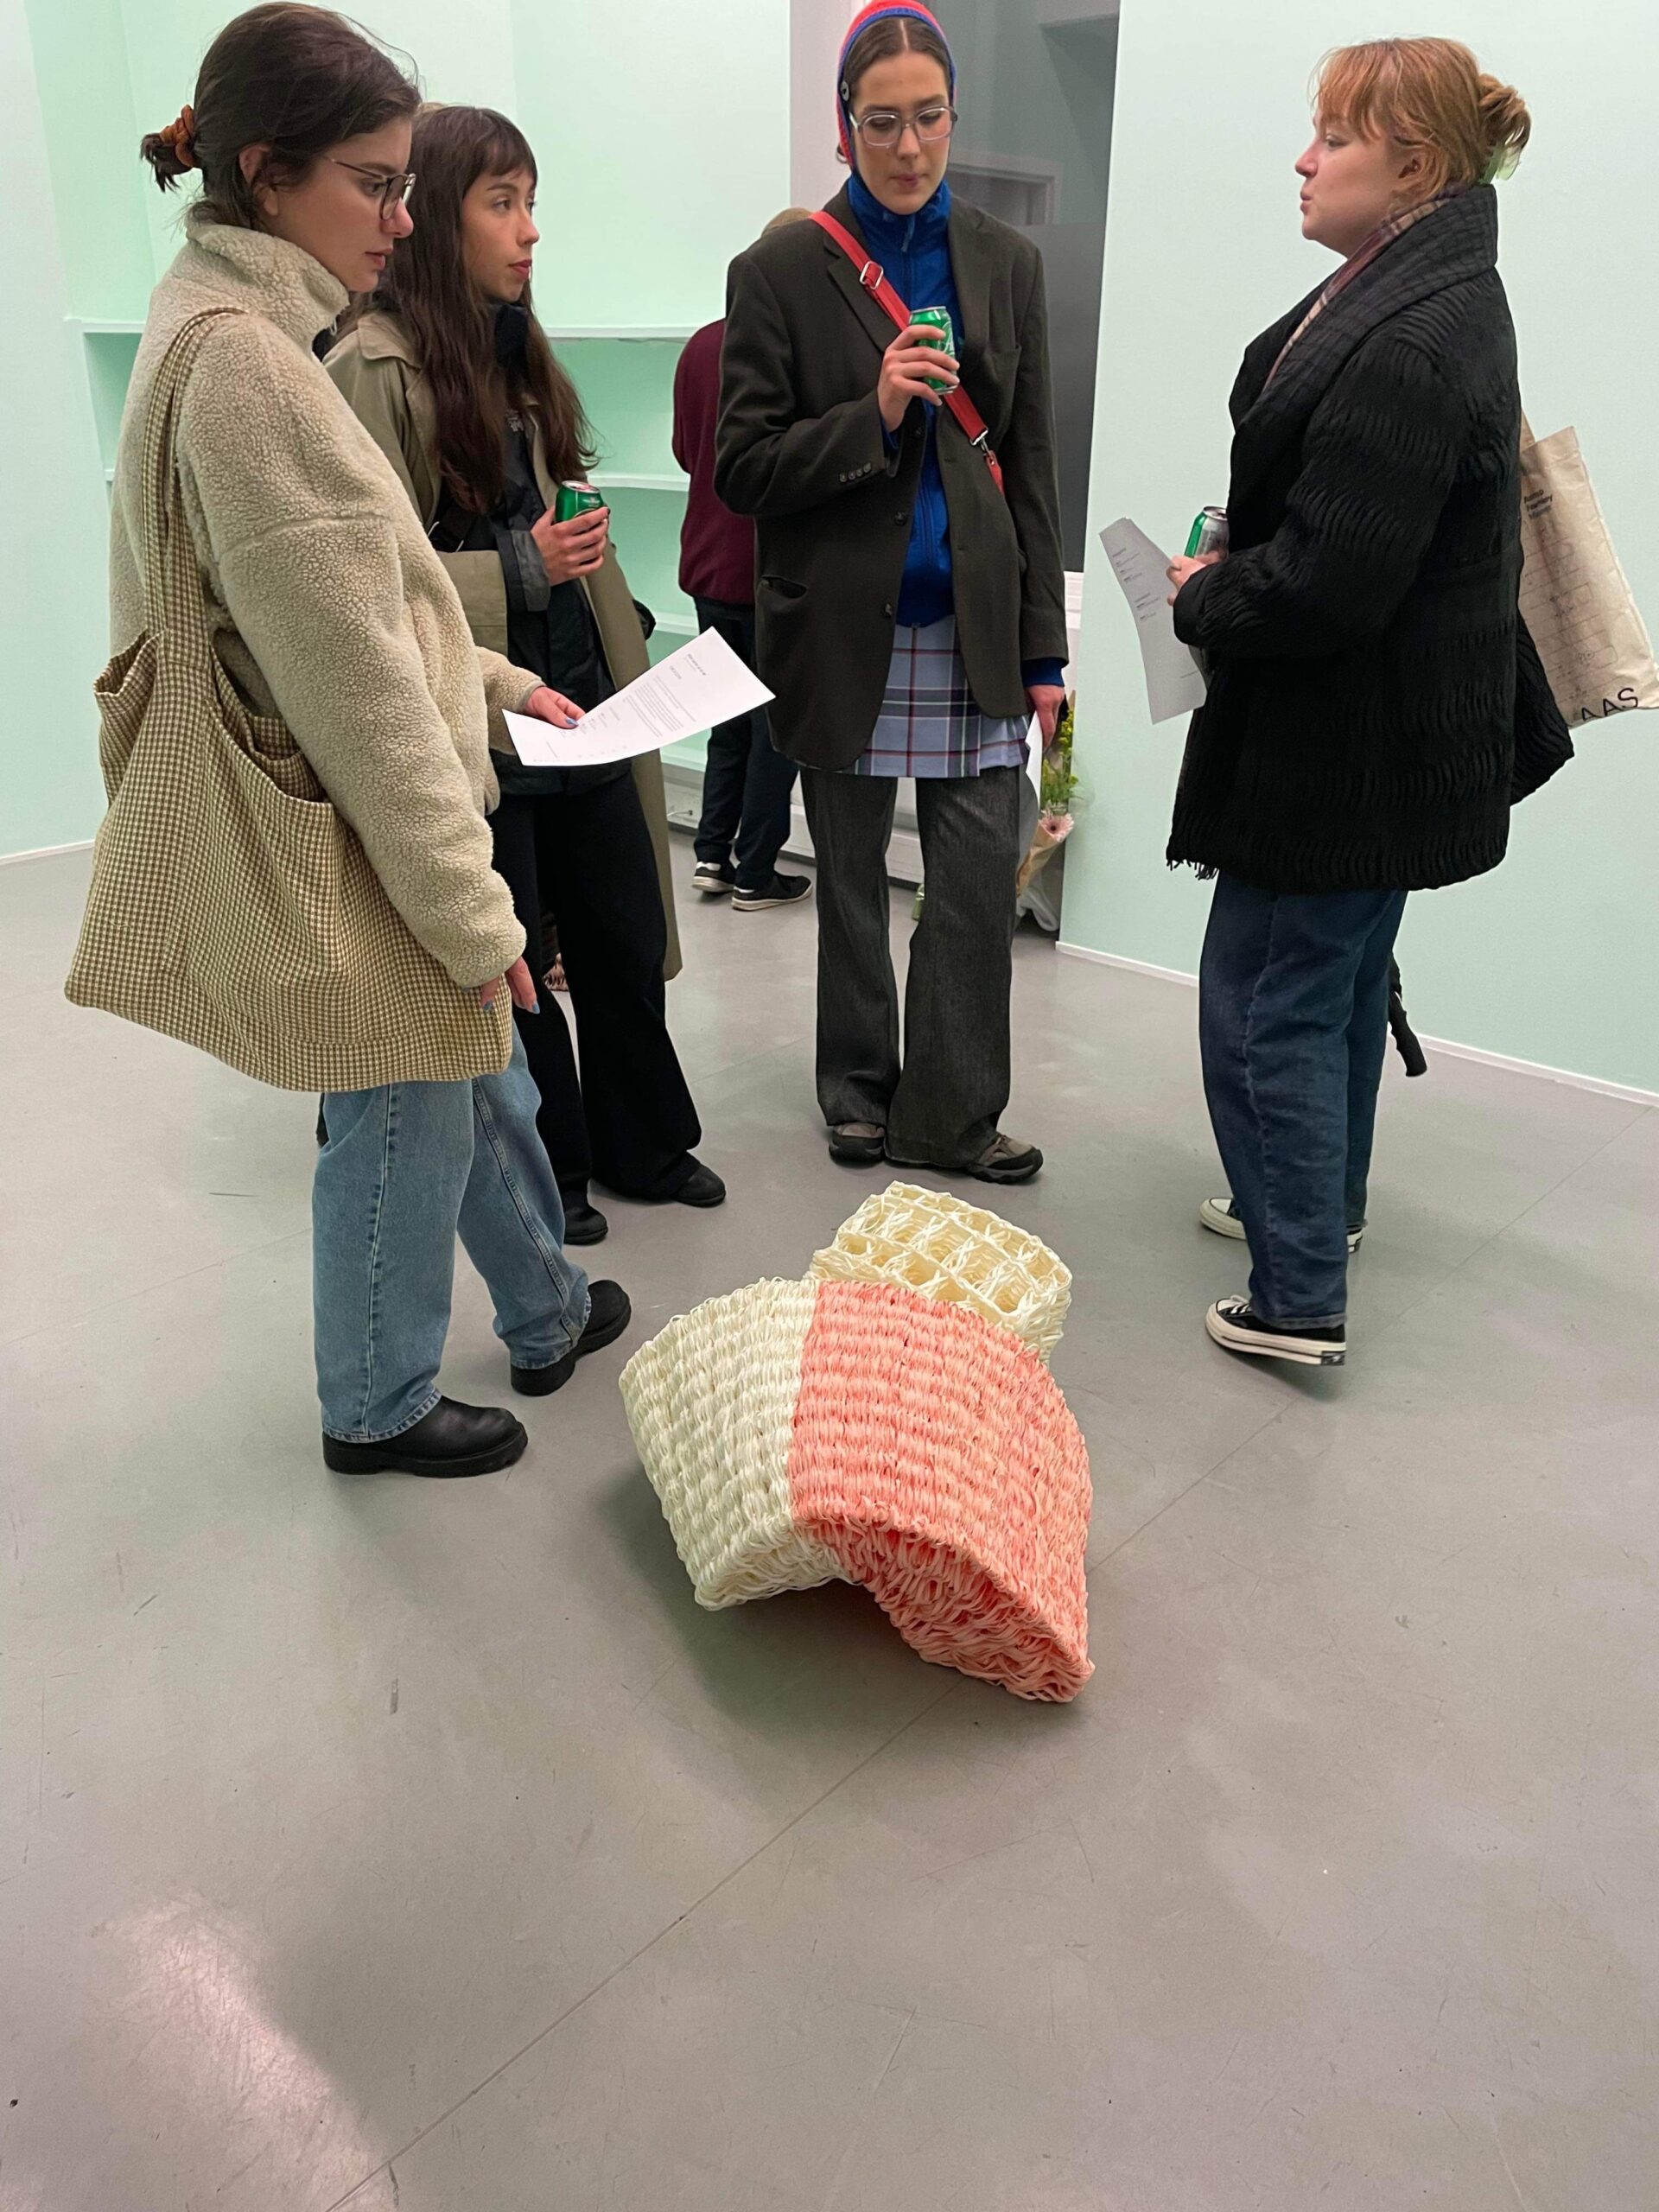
[
  {"x": 609, "y": 1314},
  {"x": 1005, "y": 1160},
  {"x": 782, "y": 891},
  {"x": 713, "y": 879},
  {"x": 452, "y": 1439},
  {"x": 857, "y": 1144},
  {"x": 1233, "y": 1326}
]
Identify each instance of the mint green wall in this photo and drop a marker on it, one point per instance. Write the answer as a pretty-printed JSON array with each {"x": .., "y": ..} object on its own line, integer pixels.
[
  {"x": 1555, "y": 957},
  {"x": 52, "y": 565},
  {"x": 663, "y": 128},
  {"x": 663, "y": 133}
]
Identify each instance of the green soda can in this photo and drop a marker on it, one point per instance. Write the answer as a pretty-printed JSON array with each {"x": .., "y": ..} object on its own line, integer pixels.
[
  {"x": 937, "y": 319},
  {"x": 1209, "y": 534},
  {"x": 573, "y": 500}
]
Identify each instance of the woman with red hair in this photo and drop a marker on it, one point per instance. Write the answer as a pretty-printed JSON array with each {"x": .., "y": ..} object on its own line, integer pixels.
[{"x": 1376, "y": 706}]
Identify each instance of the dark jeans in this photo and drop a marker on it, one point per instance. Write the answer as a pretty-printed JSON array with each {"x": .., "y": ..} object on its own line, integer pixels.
[
  {"x": 746, "y": 781},
  {"x": 586, "y": 861},
  {"x": 943, "y": 1106},
  {"x": 1294, "y": 1025}
]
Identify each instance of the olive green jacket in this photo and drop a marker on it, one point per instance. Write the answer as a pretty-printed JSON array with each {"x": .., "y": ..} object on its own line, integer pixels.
[{"x": 378, "y": 371}]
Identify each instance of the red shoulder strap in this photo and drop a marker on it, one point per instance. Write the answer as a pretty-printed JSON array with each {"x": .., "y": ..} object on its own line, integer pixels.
[{"x": 872, "y": 278}]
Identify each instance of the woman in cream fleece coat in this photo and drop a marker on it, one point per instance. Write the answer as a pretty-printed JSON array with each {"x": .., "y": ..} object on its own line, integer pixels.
[{"x": 331, "y": 615}]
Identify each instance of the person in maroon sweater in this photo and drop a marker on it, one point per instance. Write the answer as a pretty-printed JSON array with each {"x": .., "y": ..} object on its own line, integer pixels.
[{"x": 747, "y": 782}]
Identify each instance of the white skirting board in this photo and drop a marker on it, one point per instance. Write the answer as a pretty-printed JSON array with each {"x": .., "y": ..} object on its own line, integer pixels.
[
  {"x": 46, "y": 852},
  {"x": 1505, "y": 1060}
]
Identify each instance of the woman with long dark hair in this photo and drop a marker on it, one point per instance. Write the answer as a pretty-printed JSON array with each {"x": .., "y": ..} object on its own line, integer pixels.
[
  {"x": 1375, "y": 705},
  {"x": 295, "y": 873},
  {"x": 452, "y": 374},
  {"x": 910, "y": 602}
]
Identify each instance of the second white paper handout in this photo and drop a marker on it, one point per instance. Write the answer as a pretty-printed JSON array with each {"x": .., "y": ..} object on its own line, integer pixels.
[
  {"x": 703, "y": 684},
  {"x": 1174, "y": 682}
]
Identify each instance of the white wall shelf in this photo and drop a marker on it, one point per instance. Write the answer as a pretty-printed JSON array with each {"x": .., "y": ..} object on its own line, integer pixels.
[
  {"x": 96, "y": 326},
  {"x": 645, "y": 333},
  {"x": 610, "y": 480}
]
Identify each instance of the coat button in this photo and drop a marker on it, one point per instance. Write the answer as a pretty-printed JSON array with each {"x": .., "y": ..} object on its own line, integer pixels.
[
  {"x": 901, "y": 517},
  {"x": 887, "y": 609}
]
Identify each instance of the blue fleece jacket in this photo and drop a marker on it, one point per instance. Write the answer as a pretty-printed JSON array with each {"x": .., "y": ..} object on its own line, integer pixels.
[{"x": 915, "y": 251}]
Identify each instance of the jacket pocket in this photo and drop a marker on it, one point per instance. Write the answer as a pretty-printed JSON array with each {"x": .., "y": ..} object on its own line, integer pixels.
[{"x": 783, "y": 588}]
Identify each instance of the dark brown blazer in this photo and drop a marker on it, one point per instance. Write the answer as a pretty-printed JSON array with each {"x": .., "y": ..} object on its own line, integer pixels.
[{"x": 800, "y": 448}]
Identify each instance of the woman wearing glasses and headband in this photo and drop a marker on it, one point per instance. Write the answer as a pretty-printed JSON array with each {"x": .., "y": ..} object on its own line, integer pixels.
[
  {"x": 337, "y": 684},
  {"x": 911, "y": 606}
]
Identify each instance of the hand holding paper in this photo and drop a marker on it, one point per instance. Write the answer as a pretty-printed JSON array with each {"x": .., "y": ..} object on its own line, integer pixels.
[
  {"x": 703, "y": 684},
  {"x": 1174, "y": 682}
]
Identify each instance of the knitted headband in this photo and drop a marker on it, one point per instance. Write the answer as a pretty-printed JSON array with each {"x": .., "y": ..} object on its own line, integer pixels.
[{"x": 875, "y": 14}]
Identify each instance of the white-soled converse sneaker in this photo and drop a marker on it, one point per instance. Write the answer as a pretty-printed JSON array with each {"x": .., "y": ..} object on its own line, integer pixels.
[{"x": 1236, "y": 1328}]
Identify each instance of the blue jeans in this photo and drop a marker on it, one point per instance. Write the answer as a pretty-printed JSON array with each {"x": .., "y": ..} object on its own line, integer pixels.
[
  {"x": 1294, "y": 1025},
  {"x": 405, "y": 1167}
]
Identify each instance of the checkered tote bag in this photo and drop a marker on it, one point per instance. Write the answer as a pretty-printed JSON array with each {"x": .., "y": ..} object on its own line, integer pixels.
[{"x": 230, "y": 906}]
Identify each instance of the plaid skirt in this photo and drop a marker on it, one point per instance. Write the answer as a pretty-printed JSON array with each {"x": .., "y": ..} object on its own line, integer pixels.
[{"x": 929, "y": 725}]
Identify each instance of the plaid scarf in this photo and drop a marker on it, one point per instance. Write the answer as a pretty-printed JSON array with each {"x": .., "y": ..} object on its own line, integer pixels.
[{"x": 1380, "y": 240}]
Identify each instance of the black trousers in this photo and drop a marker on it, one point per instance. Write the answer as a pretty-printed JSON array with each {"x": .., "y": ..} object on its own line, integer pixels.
[
  {"x": 943, "y": 1103},
  {"x": 746, "y": 781},
  {"x": 585, "y": 860}
]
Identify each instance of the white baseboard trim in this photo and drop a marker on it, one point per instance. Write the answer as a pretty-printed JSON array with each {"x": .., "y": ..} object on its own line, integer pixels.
[
  {"x": 1627, "y": 1091},
  {"x": 1118, "y": 960},
  {"x": 46, "y": 852},
  {"x": 1506, "y": 1061}
]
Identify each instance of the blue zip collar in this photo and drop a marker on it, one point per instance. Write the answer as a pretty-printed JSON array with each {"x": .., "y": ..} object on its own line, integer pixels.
[{"x": 885, "y": 232}]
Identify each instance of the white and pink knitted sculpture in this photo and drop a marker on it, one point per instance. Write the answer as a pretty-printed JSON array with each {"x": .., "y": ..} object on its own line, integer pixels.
[{"x": 864, "y": 1429}]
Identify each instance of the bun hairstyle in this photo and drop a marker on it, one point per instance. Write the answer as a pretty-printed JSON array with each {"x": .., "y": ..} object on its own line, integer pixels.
[
  {"x": 298, "y": 80},
  {"x": 1429, "y": 96}
]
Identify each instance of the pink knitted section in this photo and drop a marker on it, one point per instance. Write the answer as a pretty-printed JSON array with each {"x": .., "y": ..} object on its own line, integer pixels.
[{"x": 934, "y": 1455}]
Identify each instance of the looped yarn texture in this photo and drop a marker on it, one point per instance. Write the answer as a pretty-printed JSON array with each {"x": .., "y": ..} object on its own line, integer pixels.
[
  {"x": 946, "y": 1249},
  {"x": 799, "y": 1431}
]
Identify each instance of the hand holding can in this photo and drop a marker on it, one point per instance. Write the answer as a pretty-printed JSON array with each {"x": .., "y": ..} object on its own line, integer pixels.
[
  {"x": 915, "y": 366},
  {"x": 1210, "y": 535}
]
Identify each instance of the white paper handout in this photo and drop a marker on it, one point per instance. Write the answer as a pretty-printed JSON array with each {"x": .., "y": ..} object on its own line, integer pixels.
[
  {"x": 703, "y": 684},
  {"x": 1174, "y": 682}
]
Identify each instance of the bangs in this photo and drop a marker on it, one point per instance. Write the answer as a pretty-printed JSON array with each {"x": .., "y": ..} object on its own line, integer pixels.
[
  {"x": 1362, "y": 85},
  {"x": 506, "y": 151}
]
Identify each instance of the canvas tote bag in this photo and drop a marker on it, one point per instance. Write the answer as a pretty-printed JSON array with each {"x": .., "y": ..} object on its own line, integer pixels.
[
  {"x": 1574, "y": 597},
  {"x": 230, "y": 906}
]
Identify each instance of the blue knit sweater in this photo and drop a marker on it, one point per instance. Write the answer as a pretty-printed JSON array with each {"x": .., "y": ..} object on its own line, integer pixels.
[{"x": 915, "y": 251}]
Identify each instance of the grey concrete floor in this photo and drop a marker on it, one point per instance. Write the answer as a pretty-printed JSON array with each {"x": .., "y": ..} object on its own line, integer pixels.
[{"x": 419, "y": 1846}]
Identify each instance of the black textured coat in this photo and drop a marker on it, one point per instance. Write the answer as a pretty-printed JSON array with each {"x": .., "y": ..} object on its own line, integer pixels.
[
  {"x": 1375, "y": 705},
  {"x": 799, "y": 446}
]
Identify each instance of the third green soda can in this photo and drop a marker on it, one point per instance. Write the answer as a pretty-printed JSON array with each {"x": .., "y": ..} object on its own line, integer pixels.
[{"x": 573, "y": 500}]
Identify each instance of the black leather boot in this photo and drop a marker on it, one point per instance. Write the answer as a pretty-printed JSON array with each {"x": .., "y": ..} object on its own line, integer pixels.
[
  {"x": 609, "y": 1314},
  {"x": 452, "y": 1439}
]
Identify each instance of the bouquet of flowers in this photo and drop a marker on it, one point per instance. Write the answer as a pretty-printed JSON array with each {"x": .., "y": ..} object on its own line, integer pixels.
[{"x": 1057, "y": 800}]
